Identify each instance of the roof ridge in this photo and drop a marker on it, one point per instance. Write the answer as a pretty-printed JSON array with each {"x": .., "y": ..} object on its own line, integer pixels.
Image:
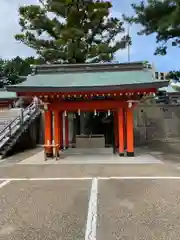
[
  {"x": 87, "y": 64},
  {"x": 95, "y": 67}
]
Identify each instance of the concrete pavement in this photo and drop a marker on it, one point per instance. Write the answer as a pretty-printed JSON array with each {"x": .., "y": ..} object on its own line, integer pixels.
[
  {"x": 44, "y": 210},
  {"x": 109, "y": 158},
  {"x": 55, "y": 201},
  {"x": 83, "y": 156},
  {"x": 139, "y": 209},
  {"x": 130, "y": 209},
  {"x": 83, "y": 171}
]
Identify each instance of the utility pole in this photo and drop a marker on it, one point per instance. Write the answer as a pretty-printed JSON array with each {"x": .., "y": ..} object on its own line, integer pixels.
[{"x": 128, "y": 32}]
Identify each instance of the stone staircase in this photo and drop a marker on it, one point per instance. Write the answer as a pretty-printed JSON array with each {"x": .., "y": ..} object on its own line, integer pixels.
[
  {"x": 6, "y": 116},
  {"x": 13, "y": 123}
]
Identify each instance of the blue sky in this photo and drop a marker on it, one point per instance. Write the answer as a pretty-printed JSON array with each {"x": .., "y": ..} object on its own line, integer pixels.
[{"x": 142, "y": 47}]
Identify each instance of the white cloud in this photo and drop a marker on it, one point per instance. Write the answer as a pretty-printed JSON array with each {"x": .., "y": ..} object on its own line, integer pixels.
[{"x": 9, "y": 26}]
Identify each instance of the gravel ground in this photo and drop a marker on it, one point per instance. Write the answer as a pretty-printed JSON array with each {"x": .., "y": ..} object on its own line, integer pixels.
[
  {"x": 44, "y": 210},
  {"x": 139, "y": 209}
]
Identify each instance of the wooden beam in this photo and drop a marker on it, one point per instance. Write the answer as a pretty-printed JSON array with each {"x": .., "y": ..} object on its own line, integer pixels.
[
  {"x": 89, "y": 94},
  {"x": 87, "y": 105}
]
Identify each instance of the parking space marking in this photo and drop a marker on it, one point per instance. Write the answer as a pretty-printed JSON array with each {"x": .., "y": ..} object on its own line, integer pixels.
[
  {"x": 4, "y": 183},
  {"x": 140, "y": 177},
  {"x": 90, "y": 233},
  {"x": 149, "y": 206},
  {"x": 91, "y": 178},
  {"x": 45, "y": 179}
]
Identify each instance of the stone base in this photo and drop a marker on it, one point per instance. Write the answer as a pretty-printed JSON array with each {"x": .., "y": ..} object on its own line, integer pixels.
[
  {"x": 114, "y": 150},
  {"x": 90, "y": 141},
  {"x": 121, "y": 154},
  {"x": 130, "y": 154},
  {"x": 49, "y": 154}
]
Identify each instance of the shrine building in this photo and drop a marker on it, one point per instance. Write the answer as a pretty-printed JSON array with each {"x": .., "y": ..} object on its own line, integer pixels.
[
  {"x": 72, "y": 91},
  {"x": 7, "y": 99}
]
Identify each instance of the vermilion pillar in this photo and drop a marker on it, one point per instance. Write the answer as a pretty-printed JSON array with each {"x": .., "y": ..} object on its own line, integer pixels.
[
  {"x": 61, "y": 130},
  {"x": 125, "y": 132},
  {"x": 48, "y": 132},
  {"x": 121, "y": 132},
  {"x": 57, "y": 127},
  {"x": 130, "y": 132},
  {"x": 66, "y": 132},
  {"x": 116, "y": 139}
]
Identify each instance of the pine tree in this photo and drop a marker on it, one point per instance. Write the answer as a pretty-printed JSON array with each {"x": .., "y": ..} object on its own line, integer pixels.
[
  {"x": 72, "y": 31},
  {"x": 15, "y": 70},
  {"x": 161, "y": 18}
]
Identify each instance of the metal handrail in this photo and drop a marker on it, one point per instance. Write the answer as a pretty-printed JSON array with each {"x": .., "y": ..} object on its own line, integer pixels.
[
  {"x": 9, "y": 124},
  {"x": 7, "y": 130}
]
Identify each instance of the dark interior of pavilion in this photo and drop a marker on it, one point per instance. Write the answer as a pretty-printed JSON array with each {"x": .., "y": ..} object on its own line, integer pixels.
[{"x": 95, "y": 124}]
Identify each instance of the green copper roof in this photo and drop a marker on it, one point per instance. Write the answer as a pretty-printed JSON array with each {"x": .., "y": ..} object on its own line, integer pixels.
[
  {"x": 93, "y": 76},
  {"x": 88, "y": 79},
  {"x": 7, "y": 95},
  {"x": 168, "y": 89}
]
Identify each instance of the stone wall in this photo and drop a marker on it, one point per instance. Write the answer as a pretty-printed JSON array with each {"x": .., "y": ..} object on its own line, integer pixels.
[{"x": 156, "y": 123}]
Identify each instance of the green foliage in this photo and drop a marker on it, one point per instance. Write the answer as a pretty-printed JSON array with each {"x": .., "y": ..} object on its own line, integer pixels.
[
  {"x": 161, "y": 18},
  {"x": 71, "y": 31},
  {"x": 175, "y": 75},
  {"x": 2, "y": 79},
  {"x": 15, "y": 67},
  {"x": 12, "y": 71}
]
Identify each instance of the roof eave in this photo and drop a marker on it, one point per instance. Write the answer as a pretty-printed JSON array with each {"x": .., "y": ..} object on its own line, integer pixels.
[
  {"x": 173, "y": 93},
  {"x": 8, "y": 99},
  {"x": 136, "y": 86}
]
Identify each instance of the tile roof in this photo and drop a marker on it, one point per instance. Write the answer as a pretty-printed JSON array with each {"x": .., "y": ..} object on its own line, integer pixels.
[
  {"x": 7, "y": 95},
  {"x": 87, "y": 76},
  {"x": 173, "y": 87}
]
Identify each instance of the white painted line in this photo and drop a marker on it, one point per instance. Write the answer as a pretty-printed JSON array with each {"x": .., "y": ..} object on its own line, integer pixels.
[
  {"x": 90, "y": 233},
  {"x": 90, "y": 178},
  {"x": 65, "y": 178},
  {"x": 4, "y": 183},
  {"x": 140, "y": 177},
  {"x": 45, "y": 179}
]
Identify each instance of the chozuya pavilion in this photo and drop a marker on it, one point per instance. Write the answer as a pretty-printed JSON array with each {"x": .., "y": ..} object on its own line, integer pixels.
[{"x": 109, "y": 90}]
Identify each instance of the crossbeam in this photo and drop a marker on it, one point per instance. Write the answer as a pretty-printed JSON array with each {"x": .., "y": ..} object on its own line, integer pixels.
[{"x": 87, "y": 105}]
